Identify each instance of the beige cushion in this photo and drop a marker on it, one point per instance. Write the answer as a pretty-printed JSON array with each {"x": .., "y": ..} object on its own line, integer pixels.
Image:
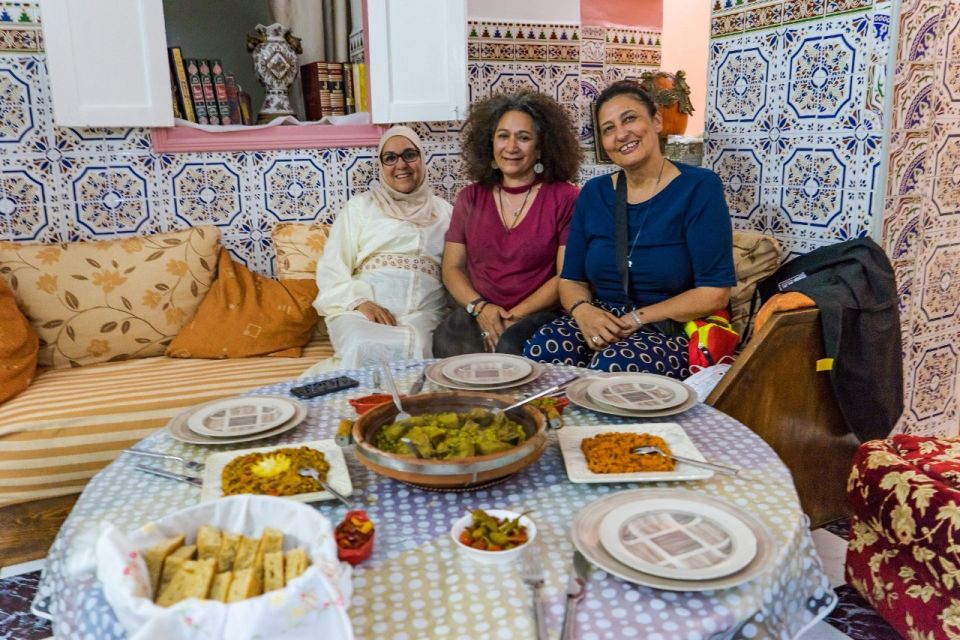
[
  {"x": 70, "y": 423},
  {"x": 299, "y": 245},
  {"x": 110, "y": 300}
]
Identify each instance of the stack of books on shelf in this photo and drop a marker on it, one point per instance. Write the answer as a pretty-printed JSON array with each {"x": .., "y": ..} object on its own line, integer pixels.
[
  {"x": 204, "y": 94},
  {"x": 333, "y": 88}
]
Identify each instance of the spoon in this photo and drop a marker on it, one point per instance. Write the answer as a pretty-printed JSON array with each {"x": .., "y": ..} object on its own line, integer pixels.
[
  {"x": 545, "y": 392},
  {"x": 310, "y": 472},
  {"x": 730, "y": 471},
  {"x": 392, "y": 388},
  {"x": 414, "y": 449}
]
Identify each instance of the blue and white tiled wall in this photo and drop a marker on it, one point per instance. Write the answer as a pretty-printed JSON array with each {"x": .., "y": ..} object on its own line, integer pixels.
[
  {"x": 795, "y": 115},
  {"x": 61, "y": 184}
]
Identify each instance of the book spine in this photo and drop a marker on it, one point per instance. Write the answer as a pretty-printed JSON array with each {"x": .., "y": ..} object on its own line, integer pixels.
[
  {"x": 233, "y": 99},
  {"x": 196, "y": 91},
  {"x": 185, "y": 94},
  {"x": 209, "y": 94},
  {"x": 309, "y": 78},
  {"x": 323, "y": 78},
  {"x": 351, "y": 106},
  {"x": 220, "y": 90},
  {"x": 356, "y": 70},
  {"x": 174, "y": 94},
  {"x": 335, "y": 86},
  {"x": 364, "y": 96},
  {"x": 246, "y": 108}
]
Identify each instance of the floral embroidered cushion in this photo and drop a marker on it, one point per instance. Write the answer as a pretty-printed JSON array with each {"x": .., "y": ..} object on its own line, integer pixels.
[
  {"x": 245, "y": 314},
  {"x": 18, "y": 346},
  {"x": 110, "y": 300},
  {"x": 299, "y": 245},
  {"x": 904, "y": 550}
]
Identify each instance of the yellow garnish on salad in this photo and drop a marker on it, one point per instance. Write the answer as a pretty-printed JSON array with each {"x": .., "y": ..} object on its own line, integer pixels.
[{"x": 271, "y": 466}]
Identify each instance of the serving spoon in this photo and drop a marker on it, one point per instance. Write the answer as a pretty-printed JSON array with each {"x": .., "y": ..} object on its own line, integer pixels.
[
  {"x": 310, "y": 472},
  {"x": 730, "y": 471},
  {"x": 392, "y": 388}
]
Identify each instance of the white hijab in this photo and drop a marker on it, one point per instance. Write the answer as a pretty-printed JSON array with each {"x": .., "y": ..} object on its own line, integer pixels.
[{"x": 417, "y": 206}]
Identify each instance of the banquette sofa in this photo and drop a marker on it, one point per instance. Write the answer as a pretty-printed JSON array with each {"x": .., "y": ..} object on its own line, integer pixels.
[{"x": 132, "y": 332}]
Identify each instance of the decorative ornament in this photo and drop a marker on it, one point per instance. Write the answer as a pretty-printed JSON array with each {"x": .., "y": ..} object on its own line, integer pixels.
[
  {"x": 538, "y": 168},
  {"x": 672, "y": 94},
  {"x": 275, "y": 62},
  {"x": 493, "y": 165}
]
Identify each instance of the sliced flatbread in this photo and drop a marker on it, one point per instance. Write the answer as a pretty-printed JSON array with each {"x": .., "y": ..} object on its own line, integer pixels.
[
  {"x": 221, "y": 586},
  {"x": 246, "y": 584},
  {"x": 193, "y": 580},
  {"x": 174, "y": 561},
  {"x": 271, "y": 540},
  {"x": 295, "y": 563},
  {"x": 208, "y": 542},
  {"x": 273, "y": 571},
  {"x": 246, "y": 553},
  {"x": 155, "y": 555},
  {"x": 229, "y": 544}
]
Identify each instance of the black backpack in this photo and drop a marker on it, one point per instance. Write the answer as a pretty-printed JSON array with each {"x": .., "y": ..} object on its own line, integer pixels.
[{"x": 854, "y": 286}]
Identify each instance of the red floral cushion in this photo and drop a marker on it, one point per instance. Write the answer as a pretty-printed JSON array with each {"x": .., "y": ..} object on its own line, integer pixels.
[{"x": 904, "y": 551}]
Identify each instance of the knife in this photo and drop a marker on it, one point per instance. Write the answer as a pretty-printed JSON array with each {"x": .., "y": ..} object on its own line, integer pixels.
[
  {"x": 576, "y": 590},
  {"x": 417, "y": 386},
  {"x": 163, "y": 473}
]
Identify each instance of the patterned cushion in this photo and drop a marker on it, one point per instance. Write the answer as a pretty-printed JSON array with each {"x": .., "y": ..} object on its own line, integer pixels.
[
  {"x": 110, "y": 300},
  {"x": 299, "y": 245},
  {"x": 245, "y": 314},
  {"x": 71, "y": 423},
  {"x": 18, "y": 347},
  {"x": 904, "y": 551}
]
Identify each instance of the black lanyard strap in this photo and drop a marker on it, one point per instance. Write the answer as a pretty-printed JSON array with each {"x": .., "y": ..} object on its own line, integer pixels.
[{"x": 620, "y": 222}]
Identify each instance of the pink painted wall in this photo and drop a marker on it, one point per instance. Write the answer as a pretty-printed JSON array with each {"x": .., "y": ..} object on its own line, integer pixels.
[
  {"x": 634, "y": 13},
  {"x": 686, "y": 46}
]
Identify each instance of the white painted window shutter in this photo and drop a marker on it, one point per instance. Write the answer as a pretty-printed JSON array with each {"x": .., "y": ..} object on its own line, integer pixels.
[
  {"x": 418, "y": 59},
  {"x": 107, "y": 62}
]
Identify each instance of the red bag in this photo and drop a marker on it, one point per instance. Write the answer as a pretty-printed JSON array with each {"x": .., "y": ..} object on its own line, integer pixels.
[{"x": 712, "y": 338}]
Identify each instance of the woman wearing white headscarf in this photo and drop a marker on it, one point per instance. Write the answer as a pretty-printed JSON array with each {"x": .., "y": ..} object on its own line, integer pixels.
[{"x": 379, "y": 277}]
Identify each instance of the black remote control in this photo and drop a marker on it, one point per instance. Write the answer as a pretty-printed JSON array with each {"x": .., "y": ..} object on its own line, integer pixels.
[{"x": 324, "y": 387}]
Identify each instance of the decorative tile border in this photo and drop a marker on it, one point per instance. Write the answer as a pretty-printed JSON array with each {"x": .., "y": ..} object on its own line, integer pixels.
[{"x": 20, "y": 29}]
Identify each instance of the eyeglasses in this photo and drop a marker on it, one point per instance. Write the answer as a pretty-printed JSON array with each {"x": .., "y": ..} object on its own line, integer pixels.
[{"x": 409, "y": 156}]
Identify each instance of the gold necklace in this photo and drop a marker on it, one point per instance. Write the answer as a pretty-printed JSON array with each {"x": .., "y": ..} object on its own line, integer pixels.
[{"x": 516, "y": 214}]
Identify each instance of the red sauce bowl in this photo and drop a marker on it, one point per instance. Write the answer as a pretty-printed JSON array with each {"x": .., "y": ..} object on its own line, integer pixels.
[
  {"x": 364, "y": 403},
  {"x": 355, "y": 555}
]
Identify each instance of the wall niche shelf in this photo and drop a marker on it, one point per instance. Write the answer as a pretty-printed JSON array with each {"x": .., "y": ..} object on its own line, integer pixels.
[{"x": 305, "y": 136}]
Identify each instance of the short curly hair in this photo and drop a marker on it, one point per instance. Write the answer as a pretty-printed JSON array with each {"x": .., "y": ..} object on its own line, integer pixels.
[{"x": 557, "y": 140}]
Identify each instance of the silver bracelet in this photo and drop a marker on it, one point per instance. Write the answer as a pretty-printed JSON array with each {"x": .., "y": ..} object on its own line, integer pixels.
[{"x": 636, "y": 318}]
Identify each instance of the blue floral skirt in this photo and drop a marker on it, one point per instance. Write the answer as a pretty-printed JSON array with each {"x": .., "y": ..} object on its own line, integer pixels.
[{"x": 646, "y": 350}]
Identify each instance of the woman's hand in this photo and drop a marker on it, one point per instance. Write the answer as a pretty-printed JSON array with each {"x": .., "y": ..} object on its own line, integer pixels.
[
  {"x": 493, "y": 321},
  {"x": 599, "y": 327},
  {"x": 375, "y": 313}
]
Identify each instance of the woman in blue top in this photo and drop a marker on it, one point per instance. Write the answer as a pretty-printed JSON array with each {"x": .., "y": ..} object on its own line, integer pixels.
[{"x": 678, "y": 246}]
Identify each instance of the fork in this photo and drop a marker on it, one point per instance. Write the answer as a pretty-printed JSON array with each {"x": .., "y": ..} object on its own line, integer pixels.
[
  {"x": 532, "y": 573},
  {"x": 189, "y": 464},
  {"x": 392, "y": 388}
]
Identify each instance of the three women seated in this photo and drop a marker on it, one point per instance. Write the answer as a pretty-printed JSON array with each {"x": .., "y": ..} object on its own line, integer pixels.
[{"x": 603, "y": 279}]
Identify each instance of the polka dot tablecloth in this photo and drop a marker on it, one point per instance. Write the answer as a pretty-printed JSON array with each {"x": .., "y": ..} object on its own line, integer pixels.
[{"x": 416, "y": 585}]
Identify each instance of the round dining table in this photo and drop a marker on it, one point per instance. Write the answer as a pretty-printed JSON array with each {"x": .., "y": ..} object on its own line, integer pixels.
[{"x": 417, "y": 585}]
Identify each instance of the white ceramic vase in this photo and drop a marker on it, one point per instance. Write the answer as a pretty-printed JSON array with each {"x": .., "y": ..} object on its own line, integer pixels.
[{"x": 275, "y": 62}]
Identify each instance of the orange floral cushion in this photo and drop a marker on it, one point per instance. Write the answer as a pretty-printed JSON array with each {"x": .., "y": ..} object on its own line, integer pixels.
[
  {"x": 18, "y": 347},
  {"x": 246, "y": 314},
  {"x": 110, "y": 300},
  {"x": 299, "y": 245}
]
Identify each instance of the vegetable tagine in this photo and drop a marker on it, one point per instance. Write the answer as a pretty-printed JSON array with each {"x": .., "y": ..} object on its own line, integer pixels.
[
  {"x": 489, "y": 533},
  {"x": 444, "y": 436}
]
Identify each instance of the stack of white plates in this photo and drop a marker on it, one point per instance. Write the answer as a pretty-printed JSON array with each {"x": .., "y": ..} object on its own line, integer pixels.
[
  {"x": 673, "y": 539},
  {"x": 237, "y": 420},
  {"x": 483, "y": 371},
  {"x": 632, "y": 395}
]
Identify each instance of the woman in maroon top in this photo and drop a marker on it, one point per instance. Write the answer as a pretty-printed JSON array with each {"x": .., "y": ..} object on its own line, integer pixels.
[{"x": 504, "y": 246}]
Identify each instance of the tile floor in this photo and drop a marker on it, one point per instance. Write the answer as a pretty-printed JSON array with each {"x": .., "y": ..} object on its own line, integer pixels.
[{"x": 853, "y": 619}]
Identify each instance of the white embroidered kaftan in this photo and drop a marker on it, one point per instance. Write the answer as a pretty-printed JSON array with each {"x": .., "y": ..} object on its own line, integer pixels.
[{"x": 394, "y": 263}]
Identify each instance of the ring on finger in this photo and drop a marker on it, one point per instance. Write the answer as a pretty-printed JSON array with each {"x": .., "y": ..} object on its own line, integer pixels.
[
  {"x": 595, "y": 339},
  {"x": 484, "y": 334}
]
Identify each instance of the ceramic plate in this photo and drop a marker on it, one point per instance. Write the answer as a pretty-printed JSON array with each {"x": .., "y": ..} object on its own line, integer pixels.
[
  {"x": 494, "y": 368},
  {"x": 675, "y": 538},
  {"x": 180, "y": 430},
  {"x": 576, "y": 463},
  {"x": 434, "y": 374},
  {"x": 240, "y": 416},
  {"x": 585, "y": 534},
  {"x": 338, "y": 476},
  {"x": 638, "y": 392},
  {"x": 577, "y": 392}
]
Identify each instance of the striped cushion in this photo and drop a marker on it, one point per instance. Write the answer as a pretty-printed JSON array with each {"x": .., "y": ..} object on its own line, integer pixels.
[{"x": 70, "y": 423}]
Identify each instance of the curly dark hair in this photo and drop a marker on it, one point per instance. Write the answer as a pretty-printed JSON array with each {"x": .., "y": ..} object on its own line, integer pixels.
[
  {"x": 557, "y": 140},
  {"x": 626, "y": 88}
]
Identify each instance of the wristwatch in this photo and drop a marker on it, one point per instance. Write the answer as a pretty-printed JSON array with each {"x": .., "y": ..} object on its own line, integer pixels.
[{"x": 472, "y": 306}]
